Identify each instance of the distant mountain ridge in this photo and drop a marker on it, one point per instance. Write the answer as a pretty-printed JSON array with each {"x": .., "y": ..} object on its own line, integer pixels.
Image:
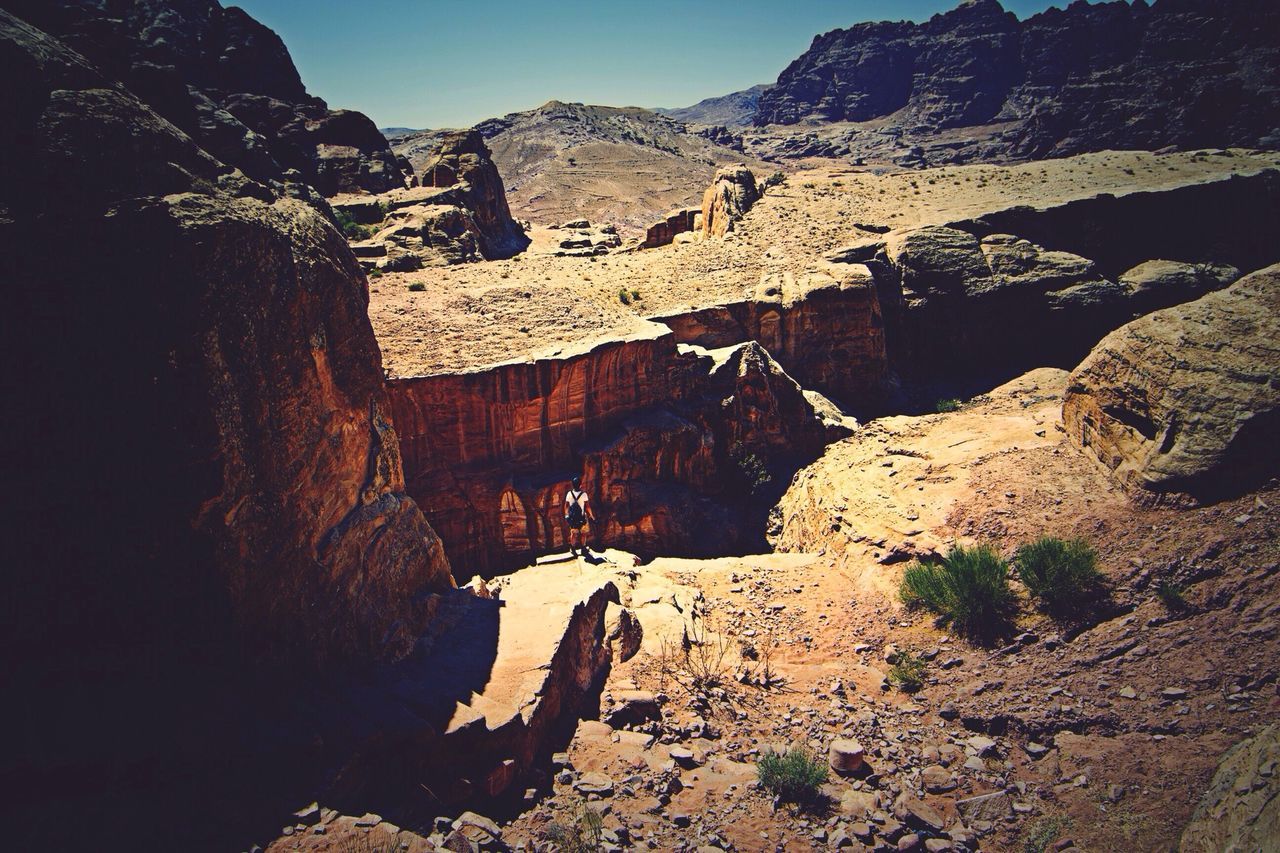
[
  {"x": 1190, "y": 73},
  {"x": 736, "y": 109},
  {"x": 561, "y": 161}
]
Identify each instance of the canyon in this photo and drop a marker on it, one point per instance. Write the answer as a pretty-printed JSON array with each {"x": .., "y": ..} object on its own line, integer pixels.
[{"x": 305, "y": 406}]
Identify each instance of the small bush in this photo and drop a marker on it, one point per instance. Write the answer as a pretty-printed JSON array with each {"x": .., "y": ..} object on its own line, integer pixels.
[
  {"x": 375, "y": 273},
  {"x": 417, "y": 287},
  {"x": 774, "y": 180},
  {"x": 948, "y": 405},
  {"x": 969, "y": 589},
  {"x": 795, "y": 776},
  {"x": 752, "y": 470},
  {"x": 585, "y": 835},
  {"x": 1172, "y": 595},
  {"x": 1062, "y": 574},
  {"x": 351, "y": 229},
  {"x": 907, "y": 673},
  {"x": 624, "y": 296}
]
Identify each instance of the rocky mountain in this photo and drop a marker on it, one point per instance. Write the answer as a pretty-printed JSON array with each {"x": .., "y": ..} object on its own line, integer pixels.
[
  {"x": 1186, "y": 73},
  {"x": 737, "y": 109},
  {"x": 229, "y": 83},
  {"x": 621, "y": 165}
]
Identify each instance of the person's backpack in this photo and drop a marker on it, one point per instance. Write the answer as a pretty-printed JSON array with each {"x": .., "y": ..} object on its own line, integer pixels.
[{"x": 574, "y": 514}]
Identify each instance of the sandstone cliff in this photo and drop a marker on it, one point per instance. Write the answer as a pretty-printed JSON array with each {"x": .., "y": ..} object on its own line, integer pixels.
[
  {"x": 1182, "y": 403},
  {"x": 1241, "y": 809},
  {"x": 670, "y": 441},
  {"x": 219, "y": 496},
  {"x": 229, "y": 83},
  {"x": 1086, "y": 78}
]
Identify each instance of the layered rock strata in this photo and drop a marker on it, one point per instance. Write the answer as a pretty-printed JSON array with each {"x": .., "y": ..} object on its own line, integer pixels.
[
  {"x": 680, "y": 221},
  {"x": 1086, "y": 78},
  {"x": 229, "y": 83},
  {"x": 1184, "y": 404},
  {"x": 669, "y": 440},
  {"x": 222, "y": 497}
]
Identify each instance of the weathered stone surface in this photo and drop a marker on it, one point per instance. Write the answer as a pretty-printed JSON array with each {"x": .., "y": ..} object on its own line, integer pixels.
[
  {"x": 679, "y": 221},
  {"x": 632, "y": 707},
  {"x": 222, "y": 510},
  {"x": 462, "y": 160},
  {"x": 824, "y": 328},
  {"x": 1159, "y": 284},
  {"x": 846, "y": 755},
  {"x": 729, "y": 197},
  {"x": 1183, "y": 404},
  {"x": 670, "y": 440},
  {"x": 627, "y": 633},
  {"x": 229, "y": 83},
  {"x": 1241, "y": 808},
  {"x": 1087, "y": 78}
]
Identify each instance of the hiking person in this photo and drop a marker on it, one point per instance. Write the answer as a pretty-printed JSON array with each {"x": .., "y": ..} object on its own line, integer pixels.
[{"x": 577, "y": 512}]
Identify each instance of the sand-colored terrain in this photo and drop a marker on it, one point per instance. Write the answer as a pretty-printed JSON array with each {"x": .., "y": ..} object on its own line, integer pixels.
[{"x": 479, "y": 314}]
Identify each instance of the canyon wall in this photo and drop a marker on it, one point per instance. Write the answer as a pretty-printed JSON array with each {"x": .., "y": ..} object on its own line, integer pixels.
[
  {"x": 664, "y": 436},
  {"x": 206, "y": 495}
]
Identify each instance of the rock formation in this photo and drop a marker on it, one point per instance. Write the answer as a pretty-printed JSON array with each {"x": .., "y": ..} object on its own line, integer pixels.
[
  {"x": 229, "y": 83},
  {"x": 219, "y": 510},
  {"x": 670, "y": 442},
  {"x": 1183, "y": 403},
  {"x": 727, "y": 200},
  {"x": 1026, "y": 287},
  {"x": 680, "y": 221},
  {"x": 1241, "y": 809},
  {"x": 733, "y": 110},
  {"x": 463, "y": 160},
  {"x": 1089, "y": 77}
]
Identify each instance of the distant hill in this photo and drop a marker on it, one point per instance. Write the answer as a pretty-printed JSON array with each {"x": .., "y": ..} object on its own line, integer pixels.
[
  {"x": 736, "y": 109},
  {"x": 1092, "y": 76},
  {"x": 623, "y": 165},
  {"x": 390, "y": 132}
]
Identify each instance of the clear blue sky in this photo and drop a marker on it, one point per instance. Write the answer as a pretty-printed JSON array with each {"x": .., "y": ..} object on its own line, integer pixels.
[{"x": 441, "y": 63}]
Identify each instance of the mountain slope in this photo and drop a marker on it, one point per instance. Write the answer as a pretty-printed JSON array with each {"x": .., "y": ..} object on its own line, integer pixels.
[
  {"x": 624, "y": 165},
  {"x": 1191, "y": 73},
  {"x": 736, "y": 109}
]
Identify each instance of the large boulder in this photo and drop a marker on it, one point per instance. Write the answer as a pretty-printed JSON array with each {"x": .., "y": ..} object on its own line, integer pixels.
[
  {"x": 1241, "y": 809},
  {"x": 461, "y": 159},
  {"x": 727, "y": 200},
  {"x": 1184, "y": 404}
]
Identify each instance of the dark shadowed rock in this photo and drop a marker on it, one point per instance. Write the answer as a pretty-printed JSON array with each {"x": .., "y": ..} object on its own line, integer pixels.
[{"x": 1085, "y": 78}]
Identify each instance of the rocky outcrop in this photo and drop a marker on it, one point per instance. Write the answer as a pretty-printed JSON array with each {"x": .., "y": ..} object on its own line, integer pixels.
[
  {"x": 1084, "y": 78},
  {"x": 680, "y": 221},
  {"x": 670, "y": 441},
  {"x": 1026, "y": 287},
  {"x": 1241, "y": 809},
  {"x": 220, "y": 500},
  {"x": 727, "y": 200},
  {"x": 462, "y": 160},
  {"x": 581, "y": 239},
  {"x": 733, "y": 110},
  {"x": 1183, "y": 404},
  {"x": 229, "y": 83},
  {"x": 824, "y": 328},
  {"x": 457, "y": 215}
]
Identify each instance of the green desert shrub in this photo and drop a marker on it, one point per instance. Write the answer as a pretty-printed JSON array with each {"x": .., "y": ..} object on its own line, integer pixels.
[
  {"x": 794, "y": 776},
  {"x": 947, "y": 405},
  {"x": 969, "y": 589},
  {"x": 1172, "y": 594},
  {"x": 907, "y": 673},
  {"x": 351, "y": 229},
  {"x": 584, "y": 835},
  {"x": 1063, "y": 574},
  {"x": 417, "y": 287},
  {"x": 624, "y": 296}
]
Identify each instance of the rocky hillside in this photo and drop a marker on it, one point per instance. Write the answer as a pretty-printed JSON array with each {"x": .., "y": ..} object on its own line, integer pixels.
[
  {"x": 736, "y": 109},
  {"x": 1192, "y": 73},
  {"x": 229, "y": 83},
  {"x": 621, "y": 165}
]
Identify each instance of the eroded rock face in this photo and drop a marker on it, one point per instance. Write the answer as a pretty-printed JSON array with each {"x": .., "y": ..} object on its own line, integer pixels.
[
  {"x": 1241, "y": 809},
  {"x": 462, "y": 159},
  {"x": 1184, "y": 404},
  {"x": 681, "y": 221},
  {"x": 824, "y": 328},
  {"x": 229, "y": 83},
  {"x": 669, "y": 442},
  {"x": 729, "y": 197},
  {"x": 1087, "y": 78}
]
